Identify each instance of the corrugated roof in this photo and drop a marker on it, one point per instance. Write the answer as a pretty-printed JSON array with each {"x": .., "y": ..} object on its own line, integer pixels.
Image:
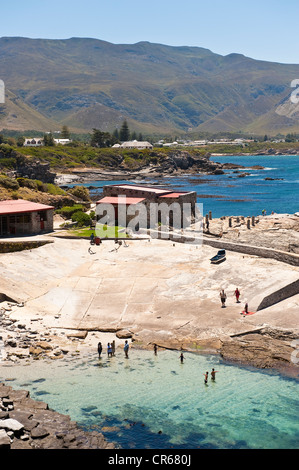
[
  {"x": 143, "y": 188},
  {"x": 173, "y": 195},
  {"x": 17, "y": 206},
  {"x": 120, "y": 200}
]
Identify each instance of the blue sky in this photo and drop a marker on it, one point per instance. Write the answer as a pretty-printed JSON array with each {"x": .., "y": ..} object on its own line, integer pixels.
[{"x": 264, "y": 29}]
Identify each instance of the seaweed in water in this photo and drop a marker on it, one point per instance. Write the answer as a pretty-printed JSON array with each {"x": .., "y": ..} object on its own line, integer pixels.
[
  {"x": 88, "y": 409},
  {"x": 42, "y": 392}
]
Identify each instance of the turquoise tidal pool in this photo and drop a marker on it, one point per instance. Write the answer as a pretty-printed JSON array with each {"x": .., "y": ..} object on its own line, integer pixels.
[{"x": 156, "y": 402}]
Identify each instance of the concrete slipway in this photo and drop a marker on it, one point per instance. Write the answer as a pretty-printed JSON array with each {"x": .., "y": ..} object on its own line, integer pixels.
[{"x": 160, "y": 291}]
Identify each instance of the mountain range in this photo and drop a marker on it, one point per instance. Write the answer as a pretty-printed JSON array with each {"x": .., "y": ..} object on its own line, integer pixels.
[{"x": 88, "y": 83}]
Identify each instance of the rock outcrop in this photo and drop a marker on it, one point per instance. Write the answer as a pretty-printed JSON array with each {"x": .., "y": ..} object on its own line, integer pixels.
[
  {"x": 29, "y": 424},
  {"x": 35, "y": 170},
  {"x": 264, "y": 348}
]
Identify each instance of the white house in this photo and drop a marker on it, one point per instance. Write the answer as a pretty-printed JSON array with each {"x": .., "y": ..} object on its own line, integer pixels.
[
  {"x": 62, "y": 141},
  {"x": 134, "y": 144},
  {"x": 35, "y": 142}
]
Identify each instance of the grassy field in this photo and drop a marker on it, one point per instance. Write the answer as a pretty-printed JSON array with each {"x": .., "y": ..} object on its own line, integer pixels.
[{"x": 102, "y": 231}]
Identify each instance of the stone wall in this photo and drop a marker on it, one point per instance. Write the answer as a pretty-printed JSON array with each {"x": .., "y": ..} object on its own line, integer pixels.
[
  {"x": 47, "y": 221},
  {"x": 284, "y": 293},
  {"x": 11, "y": 246},
  {"x": 263, "y": 252}
]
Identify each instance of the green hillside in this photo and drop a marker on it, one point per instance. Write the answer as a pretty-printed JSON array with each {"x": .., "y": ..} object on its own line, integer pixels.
[{"x": 87, "y": 83}]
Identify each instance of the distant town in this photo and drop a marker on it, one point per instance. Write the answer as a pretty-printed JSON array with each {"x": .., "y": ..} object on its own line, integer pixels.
[{"x": 38, "y": 142}]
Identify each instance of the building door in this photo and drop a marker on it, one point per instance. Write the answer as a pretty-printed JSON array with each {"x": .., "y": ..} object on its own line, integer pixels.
[{"x": 3, "y": 225}]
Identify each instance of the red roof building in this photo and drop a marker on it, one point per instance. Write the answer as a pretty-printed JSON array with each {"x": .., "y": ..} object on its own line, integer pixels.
[
  {"x": 20, "y": 217},
  {"x": 132, "y": 194},
  {"x": 121, "y": 200}
]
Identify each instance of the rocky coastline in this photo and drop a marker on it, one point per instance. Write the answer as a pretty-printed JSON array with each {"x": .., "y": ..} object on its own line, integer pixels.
[
  {"x": 30, "y": 424},
  {"x": 177, "y": 163}
]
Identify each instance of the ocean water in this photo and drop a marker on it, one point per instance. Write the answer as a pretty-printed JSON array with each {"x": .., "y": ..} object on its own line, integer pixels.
[
  {"x": 229, "y": 194},
  {"x": 155, "y": 402}
]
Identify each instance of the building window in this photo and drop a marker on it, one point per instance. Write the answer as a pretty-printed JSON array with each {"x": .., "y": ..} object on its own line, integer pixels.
[{"x": 43, "y": 215}]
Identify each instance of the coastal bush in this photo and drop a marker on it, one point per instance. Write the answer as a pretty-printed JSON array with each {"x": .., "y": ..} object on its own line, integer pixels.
[
  {"x": 68, "y": 211},
  {"x": 15, "y": 195},
  {"x": 55, "y": 190},
  {"x": 8, "y": 163},
  {"x": 9, "y": 183},
  {"x": 6, "y": 150},
  {"x": 80, "y": 192},
  {"x": 38, "y": 185},
  {"x": 81, "y": 218},
  {"x": 27, "y": 183}
]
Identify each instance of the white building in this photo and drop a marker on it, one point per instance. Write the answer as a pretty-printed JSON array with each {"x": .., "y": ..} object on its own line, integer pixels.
[
  {"x": 134, "y": 144},
  {"x": 62, "y": 141},
  {"x": 35, "y": 142}
]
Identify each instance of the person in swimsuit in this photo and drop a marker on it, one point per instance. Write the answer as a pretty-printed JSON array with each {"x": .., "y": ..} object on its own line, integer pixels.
[
  {"x": 206, "y": 377},
  {"x": 126, "y": 349},
  {"x": 213, "y": 376}
]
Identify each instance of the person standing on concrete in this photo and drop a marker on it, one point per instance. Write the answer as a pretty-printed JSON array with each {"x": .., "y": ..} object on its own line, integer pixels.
[
  {"x": 237, "y": 295},
  {"x": 223, "y": 298},
  {"x": 126, "y": 349}
]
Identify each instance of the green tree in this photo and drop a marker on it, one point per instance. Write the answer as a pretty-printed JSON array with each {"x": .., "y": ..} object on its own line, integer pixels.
[
  {"x": 20, "y": 141},
  {"x": 49, "y": 140},
  {"x": 290, "y": 138},
  {"x": 140, "y": 137},
  {"x": 116, "y": 134},
  {"x": 65, "y": 133},
  {"x": 102, "y": 139},
  {"x": 124, "y": 133},
  {"x": 133, "y": 136}
]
